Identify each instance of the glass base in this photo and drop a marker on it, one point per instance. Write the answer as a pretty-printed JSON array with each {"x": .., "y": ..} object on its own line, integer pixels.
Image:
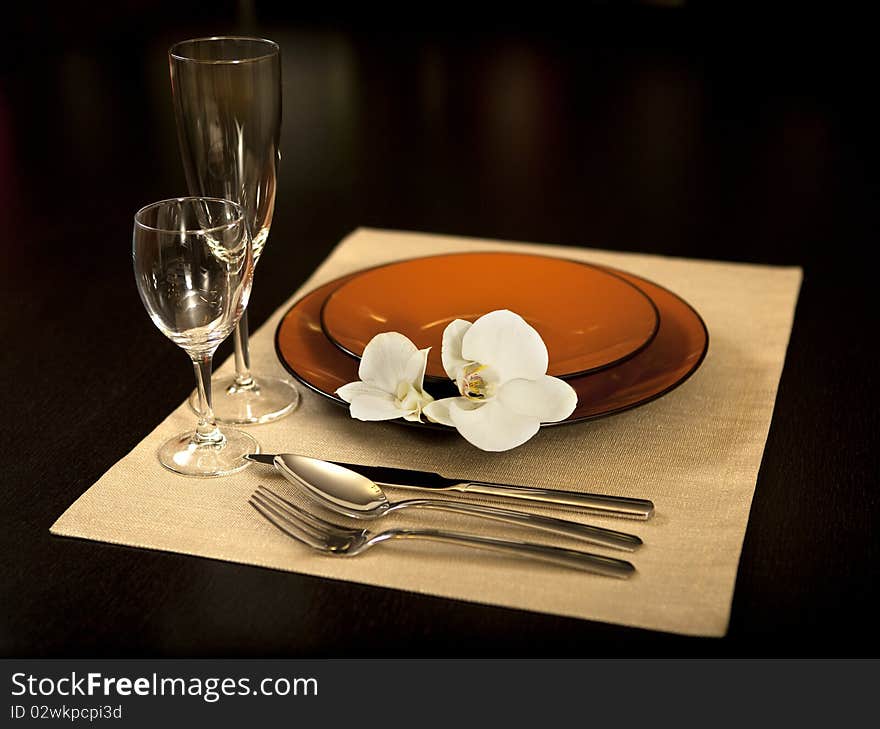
[
  {"x": 268, "y": 399},
  {"x": 182, "y": 454}
]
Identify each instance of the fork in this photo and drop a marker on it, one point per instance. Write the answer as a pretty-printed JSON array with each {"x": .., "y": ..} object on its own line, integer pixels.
[{"x": 340, "y": 541}]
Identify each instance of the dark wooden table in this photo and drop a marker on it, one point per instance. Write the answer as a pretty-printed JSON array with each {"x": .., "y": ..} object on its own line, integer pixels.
[{"x": 637, "y": 128}]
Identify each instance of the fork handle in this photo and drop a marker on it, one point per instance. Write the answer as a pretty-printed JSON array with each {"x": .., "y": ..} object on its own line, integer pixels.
[
  {"x": 586, "y": 532},
  {"x": 584, "y": 561}
]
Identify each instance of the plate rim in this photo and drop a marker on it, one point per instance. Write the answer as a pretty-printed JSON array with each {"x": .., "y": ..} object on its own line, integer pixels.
[
  {"x": 582, "y": 419},
  {"x": 568, "y": 375}
]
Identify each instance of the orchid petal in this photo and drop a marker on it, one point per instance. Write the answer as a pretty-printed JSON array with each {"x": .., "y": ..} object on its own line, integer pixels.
[
  {"x": 384, "y": 361},
  {"x": 548, "y": 398},
  {"x": 491, "y": 426},
  {"x": 376, "y": 406},
  {"x": 414, "y": 370},
  {"x": 507, "y": 343},
  {"x": 350, "y": 391},
  {"x": 438, "y": 411},
  {"x": 450, "y": 352}
]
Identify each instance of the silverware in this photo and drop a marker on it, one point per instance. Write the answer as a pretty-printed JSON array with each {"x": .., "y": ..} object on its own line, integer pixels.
[
  {"x": 406, "y": 478},
  {"x": 340, "y": 541},
  {"x": 351, "y": 494}
]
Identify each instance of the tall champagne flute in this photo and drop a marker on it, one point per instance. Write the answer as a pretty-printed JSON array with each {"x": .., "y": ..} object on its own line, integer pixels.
[
  {"x": 227, "y": 102},
  {"x": 193, "y": 264}
]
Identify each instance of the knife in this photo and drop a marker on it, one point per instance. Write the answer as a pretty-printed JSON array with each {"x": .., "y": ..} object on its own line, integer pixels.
[{"x": 406, "y": 478}]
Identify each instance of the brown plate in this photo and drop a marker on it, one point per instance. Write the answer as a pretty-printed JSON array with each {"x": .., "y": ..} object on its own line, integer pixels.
[
  {"x": 589, "y": 318},
  {"x": 674, "y": 355}
]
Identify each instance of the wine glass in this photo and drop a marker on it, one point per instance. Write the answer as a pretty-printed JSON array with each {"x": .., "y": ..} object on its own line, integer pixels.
[
  {"x": 227, "y": 102},
  {"x": 193, "y": 264}
]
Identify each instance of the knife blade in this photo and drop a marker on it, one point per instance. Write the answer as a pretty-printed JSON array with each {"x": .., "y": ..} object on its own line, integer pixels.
[{"x": 407, "y": 478}]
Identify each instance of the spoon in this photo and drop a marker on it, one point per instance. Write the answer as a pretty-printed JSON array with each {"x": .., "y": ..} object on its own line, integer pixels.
[
  {"x": 625, "y": 507},
  {"x": 353, "y": 495}
]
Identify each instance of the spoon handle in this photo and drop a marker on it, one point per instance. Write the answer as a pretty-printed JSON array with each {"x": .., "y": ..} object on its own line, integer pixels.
[
  {"x": 586, "y": 532},
  {"x": 585, "y": 561},
  {"x": 593, "y": 503}
]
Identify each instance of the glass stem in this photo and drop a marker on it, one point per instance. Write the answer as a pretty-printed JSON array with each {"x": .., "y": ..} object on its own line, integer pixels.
[
  {"x": 243, "y": 379},
  {"x": 207, "y": 430}
]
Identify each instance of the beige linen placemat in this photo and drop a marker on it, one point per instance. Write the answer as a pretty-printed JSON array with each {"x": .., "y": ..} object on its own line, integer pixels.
[{"x": 695, "y": 452}]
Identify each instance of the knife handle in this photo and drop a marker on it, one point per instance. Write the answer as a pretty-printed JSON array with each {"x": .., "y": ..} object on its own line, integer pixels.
[{"x": 593, "y": 503}]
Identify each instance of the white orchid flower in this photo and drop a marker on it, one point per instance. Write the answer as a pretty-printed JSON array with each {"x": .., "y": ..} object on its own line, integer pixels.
[
  {"x": 499, "y": 364},
  {"x": 392, "y": 373}
]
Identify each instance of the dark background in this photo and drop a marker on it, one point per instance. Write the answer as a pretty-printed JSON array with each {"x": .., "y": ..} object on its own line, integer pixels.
[{"x": 719, "y": 132}]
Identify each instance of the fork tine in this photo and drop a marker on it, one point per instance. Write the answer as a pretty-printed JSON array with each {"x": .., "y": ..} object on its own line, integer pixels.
[
  {"x": 277, "y": 523},
  {"x": 291, "y": 527},
  {"x": 313, "y": 519},
  {"x": 283, "y": 511}
]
